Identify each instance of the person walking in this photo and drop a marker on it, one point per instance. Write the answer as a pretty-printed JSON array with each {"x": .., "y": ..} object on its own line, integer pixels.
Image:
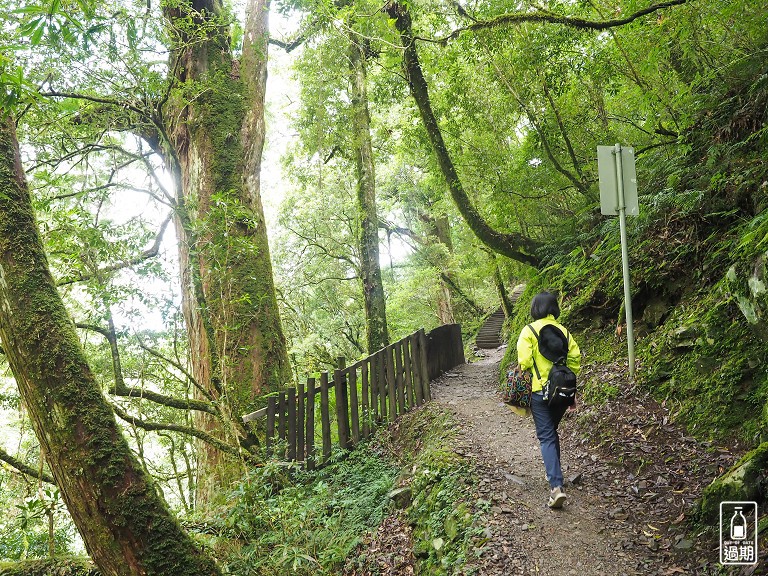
[{"x": 545, "y": 310}]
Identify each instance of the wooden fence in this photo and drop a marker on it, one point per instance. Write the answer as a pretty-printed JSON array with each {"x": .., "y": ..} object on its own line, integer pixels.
[
  {"x": 342, "y": 407},
  {"x": 444, "y": 349}
]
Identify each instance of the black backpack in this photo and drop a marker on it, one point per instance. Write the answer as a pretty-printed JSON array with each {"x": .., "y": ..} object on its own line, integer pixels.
[{"x": 560, "y": 388}]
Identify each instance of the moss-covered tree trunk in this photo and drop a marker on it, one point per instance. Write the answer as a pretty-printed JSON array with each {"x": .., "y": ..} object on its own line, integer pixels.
[
  {"x": 373, "y": 289},
  {"x": 126, "y": 527},
  {"x": 215, "y": 122},
  {"x": 506, "y": 302},
  {"x": 512, "y": 245},
  {"x": 440, "y": 231}
]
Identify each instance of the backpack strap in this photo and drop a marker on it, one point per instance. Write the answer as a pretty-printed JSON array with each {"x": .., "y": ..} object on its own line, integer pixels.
[{"x": 538, "y": 375}]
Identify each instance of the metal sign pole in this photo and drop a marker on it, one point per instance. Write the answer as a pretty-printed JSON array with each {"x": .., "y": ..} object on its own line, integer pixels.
[{"x": 625, "y": 260}]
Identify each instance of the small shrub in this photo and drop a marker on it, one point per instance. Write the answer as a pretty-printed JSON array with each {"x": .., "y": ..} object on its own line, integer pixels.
[
  {"x": 50, "y": 567},
  {"x": 293, "y": 522}
]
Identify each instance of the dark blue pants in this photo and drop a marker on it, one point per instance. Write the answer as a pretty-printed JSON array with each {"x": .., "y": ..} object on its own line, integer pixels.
[{"x": 547, "y": 419}]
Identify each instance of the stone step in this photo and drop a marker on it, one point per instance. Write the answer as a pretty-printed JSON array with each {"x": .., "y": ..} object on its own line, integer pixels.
[{"x": 489, "y": 334}]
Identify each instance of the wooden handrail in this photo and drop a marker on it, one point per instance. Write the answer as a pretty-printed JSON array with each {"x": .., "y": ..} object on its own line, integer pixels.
[{"x": 371, "y": 391}]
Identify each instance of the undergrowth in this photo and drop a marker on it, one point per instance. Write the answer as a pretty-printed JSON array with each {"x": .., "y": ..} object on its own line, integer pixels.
[
  {"x": 285, "y": 521},
  {"x": 60, "y": 566},
  {"x": 446, "y": 519},
  {"x": 282, "y": 520}
]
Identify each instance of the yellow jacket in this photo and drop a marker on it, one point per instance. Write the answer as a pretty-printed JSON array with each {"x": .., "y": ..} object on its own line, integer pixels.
[{"x": 528, "y": 350}]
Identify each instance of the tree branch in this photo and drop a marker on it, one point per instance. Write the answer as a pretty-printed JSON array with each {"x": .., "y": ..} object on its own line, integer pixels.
[
  {"x": 545, "y": 16},
  {"x": 24, "y": 468},
  {"x": 179, "y": 403},
  {"x": 179, "y": 366},
  {"x": 147, "y": 254},
  {"x": 513, "y": 245},
  {"x": 577, "y": 181},
  {"x": 563, "y": 131},
  {"x": 97, "y": 99},
  {"x": 299, "y": 39},
  {"x": 149, "y": 128},
  {"x": 121, "y": 389},
  {"x": 455, "y": 287},
  {"x": 154, "y": 427}
]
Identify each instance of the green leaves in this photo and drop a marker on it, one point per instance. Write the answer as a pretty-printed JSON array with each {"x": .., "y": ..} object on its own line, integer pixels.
[
  {"x": 14, "y": 86},
  {"x": 55, "y": 24},
  {"x": 29, "y": 30}
]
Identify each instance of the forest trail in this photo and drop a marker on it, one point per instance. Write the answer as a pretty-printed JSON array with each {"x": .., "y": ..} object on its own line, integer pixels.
[{"x": 599, "y": 531}]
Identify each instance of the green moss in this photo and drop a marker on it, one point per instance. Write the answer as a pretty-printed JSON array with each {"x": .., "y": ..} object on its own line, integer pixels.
[
  {"x": 443, "y": 519},
  {"x": 706, "y": 362},
  {"x": 51, "y": 567},
  {"x": 743, "y": 482},
  {"x": 222, "y": 108}
]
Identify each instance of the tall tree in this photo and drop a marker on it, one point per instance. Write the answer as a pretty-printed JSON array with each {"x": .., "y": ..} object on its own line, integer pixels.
[
  {"x": 510, "y": 244},
  {"x": 205, "y": 119},
  {"x": 362, "y": 149},
  {"x": 126, "y": 527},
  {"x": 215, "y": 124}
]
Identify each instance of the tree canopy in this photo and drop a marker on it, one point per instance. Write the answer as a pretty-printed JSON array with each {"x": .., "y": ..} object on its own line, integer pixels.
[{"x": 440, "y": 153}]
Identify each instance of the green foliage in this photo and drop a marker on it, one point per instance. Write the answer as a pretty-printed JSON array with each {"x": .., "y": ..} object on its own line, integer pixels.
[
  {"x": 521, "y": 109},
  {"x": 698, "y": 269},
  {"x": 707, "y": 363},
  {"x": 444, "y": 517},
  {"x": 24, "y": 530},
  {"x": 24, "y": 541},
  {"x": 306, "y": 522},
  {"x": 51, "y": 567}
]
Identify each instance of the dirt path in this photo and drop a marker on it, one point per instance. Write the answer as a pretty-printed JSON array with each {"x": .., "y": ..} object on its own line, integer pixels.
[{"x": 604, "y": 527}]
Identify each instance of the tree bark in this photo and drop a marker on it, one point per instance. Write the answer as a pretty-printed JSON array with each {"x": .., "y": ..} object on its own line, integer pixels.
[
  {"x": 512, "y": 245},
  {"x": 368, "y": 239},
  {"x": 439, "y": 232},
  {"x": 506, "y": 304},
  {"x": 216, "y": 130},
  {"x": 126, "y": 527}
]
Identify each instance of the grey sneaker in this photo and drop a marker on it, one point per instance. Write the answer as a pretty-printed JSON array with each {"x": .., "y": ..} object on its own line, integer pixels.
[{"x": 556, "y": 498}]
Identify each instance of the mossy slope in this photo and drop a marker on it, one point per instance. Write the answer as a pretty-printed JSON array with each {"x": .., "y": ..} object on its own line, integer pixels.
[{"x": 698, "y": 254}]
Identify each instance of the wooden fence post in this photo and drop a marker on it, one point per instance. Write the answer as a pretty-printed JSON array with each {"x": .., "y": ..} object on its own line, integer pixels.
[
  {"x": 408, "y": 373},
  {"x": 342, "y": 418},
  {"x": 281, "y": 405},
  {"x": 392, "y": 392},
  {"x": 301, "y": 398},
  {"x": 373, "y": 376},
  {"x": 424, "y": 368},
  {"x": 382, "y": 370},
  {"x": 418, "y": 379},
  {"x": 354, "y": 411},
  {"x": 310, "y": 423},
  {"x": 364, "y": 390},
  {"x": 325, "y": 417},
  {"x": 270, "y": 425},
  {"x": 291, "y": 399},
  {"x": 399, "y": 382}
]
